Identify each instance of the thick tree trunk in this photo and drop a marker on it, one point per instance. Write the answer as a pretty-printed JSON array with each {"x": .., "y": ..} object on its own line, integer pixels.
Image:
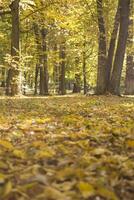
[
  {"x": 121, "y": 47},
  {"x": 13, "y": 82},
  {"x": 44, "y": 61},
  {"x": 62, "y": 82},
  {"x": 101, "y": 75},
  {"x": 112, "y": 46},
  {"x": 129, "y": 82}
]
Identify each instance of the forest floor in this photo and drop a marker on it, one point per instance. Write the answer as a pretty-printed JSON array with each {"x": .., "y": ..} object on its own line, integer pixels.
[{"x": 67, "y": 148}]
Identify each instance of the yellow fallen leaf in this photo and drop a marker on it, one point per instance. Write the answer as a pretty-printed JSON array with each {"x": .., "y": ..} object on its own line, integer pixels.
[
  {"x": 29, "y": 186},
  {"x": 130, "y": 143},
  {"x": 69, "y": 172},
  {"x": 2, "y": 178},
  {"x": 3, "y": 165},
  {"x": 86, "y": 189},
  {"x": 99, "y": 151},
  {"x": 6, "y": 144},
  {"x": 42, "y": 121},
  {"x": 38, "y": 144},
  {"x": 84, "y": 144},
  {"x": 104, "y": 192},
  {"x": 45, "y": 154},
  {"x": 19, "y": 153},
  {"x": 52, "y": 193},
  {"x": 7, "y": 189}
]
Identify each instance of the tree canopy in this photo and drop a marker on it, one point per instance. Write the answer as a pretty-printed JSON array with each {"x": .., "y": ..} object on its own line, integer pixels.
[{"x": 46, "y": 29}]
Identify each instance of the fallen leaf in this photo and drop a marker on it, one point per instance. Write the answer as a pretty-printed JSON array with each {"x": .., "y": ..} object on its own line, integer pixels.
[{"x": 87, "y": 190}]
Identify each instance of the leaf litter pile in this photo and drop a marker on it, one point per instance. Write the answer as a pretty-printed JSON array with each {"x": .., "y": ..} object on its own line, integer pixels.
[{"x": 67, "y": 148}]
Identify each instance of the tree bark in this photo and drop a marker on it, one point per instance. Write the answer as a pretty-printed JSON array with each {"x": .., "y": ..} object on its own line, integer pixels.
[
  {"x": 129, "y": 82},
  {"x": 36, "y": 79},
  {"x": 84, "y": 68},
  {"x": 62, "y": 82},
  {"x": 13, "y": 82},
  {"x": 77, "y": 84},
  {"x": 44, "y": 61},
  {"x": 39, "y": 57},
  {"x": 112, "y": 46},
  {"x": 41, "y": 80},
  {"x": 121, "y": 47},
  {"x": 56, "y": 69},
  {"x": 102, "y": 51},
  {"x": 8, "y": 82}
]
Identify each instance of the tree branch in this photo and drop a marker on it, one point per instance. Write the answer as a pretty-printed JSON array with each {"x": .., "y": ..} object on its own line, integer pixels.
[{"x": 39, "y": 9}]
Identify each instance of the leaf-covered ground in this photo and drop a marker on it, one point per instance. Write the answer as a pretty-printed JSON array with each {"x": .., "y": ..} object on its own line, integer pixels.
[{"x": 67, "y": 148}]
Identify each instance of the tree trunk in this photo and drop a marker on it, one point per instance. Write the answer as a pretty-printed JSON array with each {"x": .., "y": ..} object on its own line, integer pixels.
[
  {"x": 77, "y": 84},
  {"x": 129, "y": 82},
  {"x": 44, "y": 61},
  {"x": 129, "y": 85},
  {"x": 121, "y": 47},
  {"x": 39, "y": 58},
  {"x": 62, "y": 82},
  {"x": 84, "y": 69},
  {"x": 13, "y": 82},
  {"x": 2, "y": 75},
  {"x": 56, "y": 69},
  {"x": 101, "y": 75},
  {"x": 41, "y": 80},
  {"x": 112, "y": 46},
  {"x": 8, "y": 82},
  {"x": 36, "y": 79}
]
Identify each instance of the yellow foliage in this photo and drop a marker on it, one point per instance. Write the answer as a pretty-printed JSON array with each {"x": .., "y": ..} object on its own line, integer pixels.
[
  {"x": 19, "y": 153},
  {"x": 86, "y": 189},
  {"x": 130, "y": 143},
  {"x": 6, "y": 144},
  {"x": 110, "y": 195},
  {"x": 46, "y": 153}
]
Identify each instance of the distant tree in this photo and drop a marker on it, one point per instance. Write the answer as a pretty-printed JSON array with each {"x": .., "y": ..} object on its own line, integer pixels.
[
  {"x": 77, "y": 84},
  {"x": 62, "y": 73}
]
